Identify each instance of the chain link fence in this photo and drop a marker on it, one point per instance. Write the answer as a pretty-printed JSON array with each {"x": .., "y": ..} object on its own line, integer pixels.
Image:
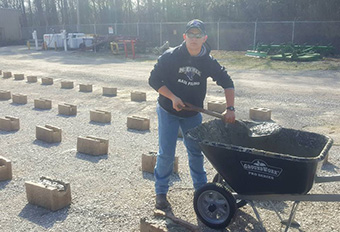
[{"x": 231, "y": 36}]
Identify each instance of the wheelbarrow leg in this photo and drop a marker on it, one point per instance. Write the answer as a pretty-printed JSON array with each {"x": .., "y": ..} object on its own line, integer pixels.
[
  {"x": 291, "y": 217},
  {"x": 256, "y": 212}
]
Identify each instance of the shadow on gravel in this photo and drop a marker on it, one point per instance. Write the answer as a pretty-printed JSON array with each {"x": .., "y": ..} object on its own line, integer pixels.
[
  {"x": 330, "y": 167},
  {"x": 16, "y": 104},
  {"x": 240, "y": 222},
  {"x": 4, "y": 183},
  {"x": 91, "y": 158},
  {"x": 7, "y": 132},
  {"x": 99, "y": 123},
  {"x": 66, "y": 116},
  {"x": 44, "y": 144},
  {"x": 43, "y": 217},
  {"x": 138, "y": 131},
  {"x": 173, "y": 178}
]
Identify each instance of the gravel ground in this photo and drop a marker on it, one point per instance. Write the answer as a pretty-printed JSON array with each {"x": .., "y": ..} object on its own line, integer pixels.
[{"x": 110, "y": 192}]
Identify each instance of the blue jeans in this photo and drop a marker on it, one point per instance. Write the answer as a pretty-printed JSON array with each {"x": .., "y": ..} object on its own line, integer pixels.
[{"x": 168, "y": 125}]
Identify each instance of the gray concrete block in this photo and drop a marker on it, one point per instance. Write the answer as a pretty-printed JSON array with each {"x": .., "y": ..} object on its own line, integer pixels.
[
  {"x": 5, "y": 169},
  {"x": 109, "y": 91},
  {"x": 19, "y": 77},
  {"x": 100, "y": 116},
  {"x": 67, "y": 85},
  {"x": 47, "y": 81},
  {"x": 48, "y": 133},
  {"x": 67, "y": 109},
  {"x": 9, "y": 123},
  {"x": 92, "y": 145},
  {"x": 85, "y": 88},
  {"x": 217, "y": 106},
  {"x": 138, "y": 123},
  {"x": 6, "y": 74},
  {"x": 42, "y": 103},
  {"x": 5, "y": 95},
  {"x": 260, "y": 114},
  {"x": 49, "y": 193},
  {"x": 138, "y": 96},
  {"x": 19, "y": 98},
  {"x": 32, "y": 79}
]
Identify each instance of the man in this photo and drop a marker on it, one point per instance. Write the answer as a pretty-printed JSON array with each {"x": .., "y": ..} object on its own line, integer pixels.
[{"x": 180, "y": 76}]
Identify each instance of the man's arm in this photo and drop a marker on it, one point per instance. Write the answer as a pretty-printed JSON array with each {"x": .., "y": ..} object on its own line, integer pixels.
[
  {"x": 177, "y": 103},
  {"x": 229, "y": 115}
]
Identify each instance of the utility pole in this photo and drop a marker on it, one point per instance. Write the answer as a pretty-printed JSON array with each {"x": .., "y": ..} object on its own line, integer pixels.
[{"x": 78, "y": 17}]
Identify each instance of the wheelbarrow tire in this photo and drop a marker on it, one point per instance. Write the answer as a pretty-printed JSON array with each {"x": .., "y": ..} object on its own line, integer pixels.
[
  {"x": 214, "y": 205},
  {"x": 219, "y": 179}
]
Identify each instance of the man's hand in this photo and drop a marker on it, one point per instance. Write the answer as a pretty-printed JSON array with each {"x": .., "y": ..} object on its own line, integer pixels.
[
  {"x": 229, "y": 116},
  {"x": 177, "y": 103}
]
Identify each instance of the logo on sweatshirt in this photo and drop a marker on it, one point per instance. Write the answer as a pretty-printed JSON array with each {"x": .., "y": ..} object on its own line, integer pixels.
[{"x": 190, "y": 72}]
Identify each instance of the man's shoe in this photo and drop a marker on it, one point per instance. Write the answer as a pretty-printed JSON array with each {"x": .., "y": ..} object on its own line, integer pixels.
[{"x": 161, "y": 201}]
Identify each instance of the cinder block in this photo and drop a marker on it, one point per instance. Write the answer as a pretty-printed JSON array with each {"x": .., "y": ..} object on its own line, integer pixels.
[
  {"x": 42, "y": 103},
  {"x": 5, "y": 169},
  {"x": 6, "y": 74},
  {"x": 92, "y": 145},
  {"x": 149, "y": 226},
  {"x": 149, "y": 162},
  {"x": 32, "y": 79},
  {"x": 260, "y": 114},
  {"x": 85, "y": 87},
  {"x": 19, "y": 77},
  {"x": 47, "y": 81},
  {"x": 67, "y": 85},
  {"x": 9, "y": 123},
  {"x": 217, "y": 106},
  {"x": 5, "y": 95},
  {"x": 100, "y": 116},
  {"x": 48, "y": 133},
  {"x": 138, "y": 96},
  {"x": 109, "y": 91},
  {"x": 49, "y": 193},
  {"x": 19, "y": 98},
  {"x": 138, "y": 123},
  {"x": 67, "y": 109}
]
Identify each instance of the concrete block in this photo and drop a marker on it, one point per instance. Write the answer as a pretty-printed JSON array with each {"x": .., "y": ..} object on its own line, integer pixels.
[
  {"x": 32, "y": 79},
  {"x": 138, "y": 96},
  {"x": 48, "y": 133},
  {"x": 149, "y": 226},
  {"x": 49, "y": 193},
  {"x": 47, "y": 81},
  {"x": 67, "y": 109},
  {"x": 5, "y": 95},
  {"x": 6, "y": 74},
  {"x": 42, "y": 103},
  {"x": 92, "y": 145},
  {"x": 100, "y": 116},
  {"x": 138, "y": 123},
  {"x": 109, "y": 91},
  {"x": 0, "y": 72},
  {"x": 85, "y": 87},
  {"x": 19, "y": 76},
  {"x": 260, "y": 114},
  {"x": 217, "y": 106},
  {"x": 9, "y": 123},
  {"x": 19, "y": 98},
  {"x": 149, "y": 162},
  {"x": 5, "y": 169},
  {"x": 67, "y": 85}
]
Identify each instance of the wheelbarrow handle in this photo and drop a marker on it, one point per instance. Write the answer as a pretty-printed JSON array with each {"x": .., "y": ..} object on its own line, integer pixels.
[{"x": 191, "y": 107}]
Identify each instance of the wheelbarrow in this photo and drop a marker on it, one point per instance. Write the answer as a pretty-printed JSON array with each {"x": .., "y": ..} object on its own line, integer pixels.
[{"x": 280, "y": 167}]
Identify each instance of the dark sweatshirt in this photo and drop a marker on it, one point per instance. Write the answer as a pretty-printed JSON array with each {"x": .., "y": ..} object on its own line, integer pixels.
[{"x": 186, "y": 77}]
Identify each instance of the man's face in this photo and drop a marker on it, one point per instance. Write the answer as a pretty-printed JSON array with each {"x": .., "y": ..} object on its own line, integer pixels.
[{"x": 194, "y": 39}]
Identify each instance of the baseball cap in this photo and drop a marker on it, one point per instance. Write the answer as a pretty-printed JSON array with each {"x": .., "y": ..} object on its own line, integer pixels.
[{"x": 195, "y": 23}]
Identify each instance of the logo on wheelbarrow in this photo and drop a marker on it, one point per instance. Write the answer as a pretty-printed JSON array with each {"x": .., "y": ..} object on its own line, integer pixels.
[{"x": 261, "y": 169}]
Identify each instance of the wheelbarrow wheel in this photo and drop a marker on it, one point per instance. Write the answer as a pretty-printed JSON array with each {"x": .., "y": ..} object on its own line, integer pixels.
[
  {"x": 219, "y": 179},
  {"x": 214, "y": 205}
]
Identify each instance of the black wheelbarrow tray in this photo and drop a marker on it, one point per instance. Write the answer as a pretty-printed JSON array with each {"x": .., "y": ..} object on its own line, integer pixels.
[{"x": 279, "y": 167}]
